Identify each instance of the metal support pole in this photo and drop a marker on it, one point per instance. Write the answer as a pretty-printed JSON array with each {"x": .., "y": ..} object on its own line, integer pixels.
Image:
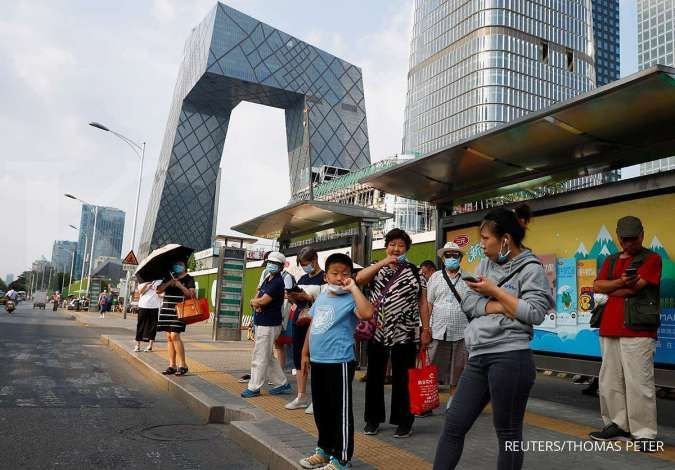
[
  {"x": 84, "y": 258},
  {"x": 91, "y": 254},
  {"x": 70, "y": 277}
]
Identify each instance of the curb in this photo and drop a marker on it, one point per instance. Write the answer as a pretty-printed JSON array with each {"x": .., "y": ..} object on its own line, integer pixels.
[{"x": 215, "y": 405}]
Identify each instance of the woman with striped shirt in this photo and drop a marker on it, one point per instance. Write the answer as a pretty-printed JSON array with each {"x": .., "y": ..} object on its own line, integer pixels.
[
  {"x": 398, "y": 293},
  {"x": 180, "y": 287}
]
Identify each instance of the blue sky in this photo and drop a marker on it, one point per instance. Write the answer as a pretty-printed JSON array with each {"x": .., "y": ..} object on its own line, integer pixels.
[{"x": 64, "y": 64}]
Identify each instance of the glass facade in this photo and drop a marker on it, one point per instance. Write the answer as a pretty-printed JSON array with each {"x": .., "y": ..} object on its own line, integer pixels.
[
  {"x": 229, "y": 58},
  {"x": 606, "y": 39},
  {"x": 475, "y": 65},
  {"x": 62, "y": 255},
  {"x": 656, "y": 45},
  {"x": 109, "y": 236}
]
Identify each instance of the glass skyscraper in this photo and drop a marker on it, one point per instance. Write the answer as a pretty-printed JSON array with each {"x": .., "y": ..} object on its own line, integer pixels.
[
  {"x": 656, "y": 45},
  {"x": 606, "y": 39},
  {"x": 109, "y": 236},
  {"x": 475, "y": 65},
  {"x": 229, "y": 58},
  {"x": 62, "y": 255}
]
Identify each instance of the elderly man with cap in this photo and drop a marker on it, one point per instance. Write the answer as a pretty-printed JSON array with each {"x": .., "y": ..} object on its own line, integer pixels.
[
  {"x": 628, "y": 328},
  {"x": 445, "y": 291},
  {"x": 267, "y": 320}
]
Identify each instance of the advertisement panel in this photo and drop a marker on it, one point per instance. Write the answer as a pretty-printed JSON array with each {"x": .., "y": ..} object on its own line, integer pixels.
[{"x": 567, "y": 236}]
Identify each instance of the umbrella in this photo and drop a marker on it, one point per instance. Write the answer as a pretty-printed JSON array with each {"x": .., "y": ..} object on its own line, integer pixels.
[{"x": 158, "y": 263}]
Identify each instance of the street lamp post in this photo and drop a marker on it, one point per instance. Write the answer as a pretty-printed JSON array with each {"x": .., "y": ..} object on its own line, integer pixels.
[
  {"x": 139, "y": 149},
  {"x": 72, "y": 262}
]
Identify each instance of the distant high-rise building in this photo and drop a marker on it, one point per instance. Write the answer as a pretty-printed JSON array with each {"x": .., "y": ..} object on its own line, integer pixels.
[
  {"x": 108, "y": 237},
  {"x": 475, "y": 65},
  {"x": 62, "y": 253},
  {"x": 606, "y": 40},
  {"x": 656, "y": 45},
  {"x": 9, "y": 278}
]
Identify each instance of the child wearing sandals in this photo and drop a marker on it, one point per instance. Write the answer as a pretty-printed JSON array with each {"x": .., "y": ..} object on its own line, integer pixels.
[{"x": 329, "y": 351}]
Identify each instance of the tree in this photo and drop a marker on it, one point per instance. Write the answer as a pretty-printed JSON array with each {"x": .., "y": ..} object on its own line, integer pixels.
[
  {"x": 3, "y": 286},
  {"x": 21, "y": 282},
  {"x": 191, "y": 264}
]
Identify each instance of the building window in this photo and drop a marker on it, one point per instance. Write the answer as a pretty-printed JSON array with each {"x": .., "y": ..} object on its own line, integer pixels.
[
  {"x": 544, "y": 52},
  {"x": 569, "y": 60}
]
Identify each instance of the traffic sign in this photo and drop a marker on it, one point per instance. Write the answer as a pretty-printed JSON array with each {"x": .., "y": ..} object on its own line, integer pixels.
[
  {"x": 129, "y": 267},
  {"x": 130, "y": 258}
]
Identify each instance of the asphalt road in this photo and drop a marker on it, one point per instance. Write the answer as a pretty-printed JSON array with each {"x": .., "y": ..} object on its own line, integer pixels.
[{"x": 68, "y": 402}]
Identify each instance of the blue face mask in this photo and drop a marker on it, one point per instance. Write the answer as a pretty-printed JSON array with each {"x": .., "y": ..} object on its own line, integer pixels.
[
  {"x": 336, "y": 290},
  {"x": 503, "y": 257},
  {"x": 272, "y": 268},
  {"x": 177, "y": 268},
  {"x": 308, "y": 269},
  {"x": 402, "y": 259},
  {"x": 451, "y": 263}
]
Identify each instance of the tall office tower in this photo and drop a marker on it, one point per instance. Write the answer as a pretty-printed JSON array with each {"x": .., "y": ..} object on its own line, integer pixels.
[
  {"x": 107, "y": 239},
  {"x": 606, "y": 40},
  {"x": 475, "y": 65},
  {"x": 62, "y": 253},
  {"x": 656, "y": 45}
]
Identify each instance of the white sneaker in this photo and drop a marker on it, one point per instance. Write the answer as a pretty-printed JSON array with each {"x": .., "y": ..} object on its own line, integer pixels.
[
  {"x": 137, "y": 349},
  {"x": 297, "y": 403},
  {"x": 310, "y": 409},
  {"x": 147, "y": 349}
]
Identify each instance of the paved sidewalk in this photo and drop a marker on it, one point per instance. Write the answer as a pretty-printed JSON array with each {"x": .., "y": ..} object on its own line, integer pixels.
[{"x": 556, "y": 412}]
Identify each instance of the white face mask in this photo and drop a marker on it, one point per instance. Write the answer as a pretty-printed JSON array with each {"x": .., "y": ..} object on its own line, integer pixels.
[{"x": 336, "y": 290}]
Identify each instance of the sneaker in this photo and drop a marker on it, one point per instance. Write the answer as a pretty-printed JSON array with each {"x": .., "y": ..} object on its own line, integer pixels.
[
  {"x": 250, "y": 393},
  {"x": 611, "y": 432},
  {"x": 371, "y": 429},
  {"x": 284, "y": 389},
  {"x": 647, "y": 445},
  {"x": 335, "y": 464},
  {"x": 244, "y": 378},
  {"x": 148, "y": 349},
  {"x": 137, "y": 349},
  {"x": 310, "y": 409},
  {"x": 297, "y": 403},
  {"x": 318, "y": 459},
  {"x": 403, "y": 431}
]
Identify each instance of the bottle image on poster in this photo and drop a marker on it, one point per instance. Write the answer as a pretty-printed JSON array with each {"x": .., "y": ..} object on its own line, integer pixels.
[
  {"x": 566, "y": 294},
  {"x": 586, "y": 274},
  {"x": 550, "y": 267}
]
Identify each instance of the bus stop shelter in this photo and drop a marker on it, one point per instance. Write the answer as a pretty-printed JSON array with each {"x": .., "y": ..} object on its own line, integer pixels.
[
  {"x": 295, "y": 225},
  {"x": 624, "y": 123}
]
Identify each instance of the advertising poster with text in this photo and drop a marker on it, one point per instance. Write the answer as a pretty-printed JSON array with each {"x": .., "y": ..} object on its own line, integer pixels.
[{"x": 587, "y": 236}]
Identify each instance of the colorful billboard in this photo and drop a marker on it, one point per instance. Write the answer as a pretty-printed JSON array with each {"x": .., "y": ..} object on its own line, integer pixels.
[{"x": 566, "y": 235}]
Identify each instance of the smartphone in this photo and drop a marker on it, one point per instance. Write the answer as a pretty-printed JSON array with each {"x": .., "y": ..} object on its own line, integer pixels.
[
  {"x": 470, "y": 278},
  {"x": 631, "y": 272}
]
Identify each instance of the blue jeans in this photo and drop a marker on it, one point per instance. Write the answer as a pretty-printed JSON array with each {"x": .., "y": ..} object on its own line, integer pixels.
[{"x": 505, "y": 379}]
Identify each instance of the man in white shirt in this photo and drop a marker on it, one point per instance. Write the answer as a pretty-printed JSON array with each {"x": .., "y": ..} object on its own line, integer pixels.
[{"x": 445, "y": 290}]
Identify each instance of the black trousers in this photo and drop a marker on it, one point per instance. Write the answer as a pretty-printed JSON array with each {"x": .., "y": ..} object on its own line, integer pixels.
[
  {"x": 503, "y": 378},
  {"x": 402, "y": 358},
  {"x": 332, "y": 400},
  {"x": 146, "y": 324}
]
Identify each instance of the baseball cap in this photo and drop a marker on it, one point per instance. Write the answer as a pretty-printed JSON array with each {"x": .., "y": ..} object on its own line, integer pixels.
[
  {"x": 450, "y": 246},
  {"x": 277, "y": 257},
  {"x": 629, "y": 226}
]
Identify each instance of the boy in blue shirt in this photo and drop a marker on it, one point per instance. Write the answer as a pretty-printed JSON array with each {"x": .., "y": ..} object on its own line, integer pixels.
[{"x": 329, "y": 351}]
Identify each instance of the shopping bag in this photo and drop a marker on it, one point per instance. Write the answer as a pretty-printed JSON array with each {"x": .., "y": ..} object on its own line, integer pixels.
[
  {"x": 423, "y": 385},
  {"x": 193, "y": 310}
]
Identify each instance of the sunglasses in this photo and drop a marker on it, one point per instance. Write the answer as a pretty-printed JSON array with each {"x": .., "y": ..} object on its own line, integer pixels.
[{"x": 452, "y": 255}]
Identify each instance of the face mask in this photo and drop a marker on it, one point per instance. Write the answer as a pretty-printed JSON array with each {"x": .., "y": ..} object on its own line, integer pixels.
[
  {"x": 451, "y": 264},
  {"x": 337, "y": 290},
  {"x": 308, "y": 269},
  {"x": 272, "y": 268},
  {"x": 177, "y": 268},
  {"x": 402, "y": 259},
  {"x": 503, "y": 257}
]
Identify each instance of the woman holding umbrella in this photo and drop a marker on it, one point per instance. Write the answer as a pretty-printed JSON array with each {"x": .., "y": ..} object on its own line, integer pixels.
[
  {"x": 180, "y": 287},
  {"x": 168, "y": 263}
]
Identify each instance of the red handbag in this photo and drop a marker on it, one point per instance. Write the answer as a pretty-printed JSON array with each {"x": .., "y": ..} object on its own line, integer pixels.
[
  {"x": 423, "y": 385},
  {"x": 193, "y": 310}
]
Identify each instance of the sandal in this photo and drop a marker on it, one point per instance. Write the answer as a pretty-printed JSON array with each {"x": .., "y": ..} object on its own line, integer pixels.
[
  {"x": 182, "y": 371},
  {"x": 169, "y": 371}
]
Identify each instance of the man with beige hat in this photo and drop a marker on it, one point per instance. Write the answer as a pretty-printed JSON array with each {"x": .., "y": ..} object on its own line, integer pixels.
[{"x": 445, "y": 291}]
